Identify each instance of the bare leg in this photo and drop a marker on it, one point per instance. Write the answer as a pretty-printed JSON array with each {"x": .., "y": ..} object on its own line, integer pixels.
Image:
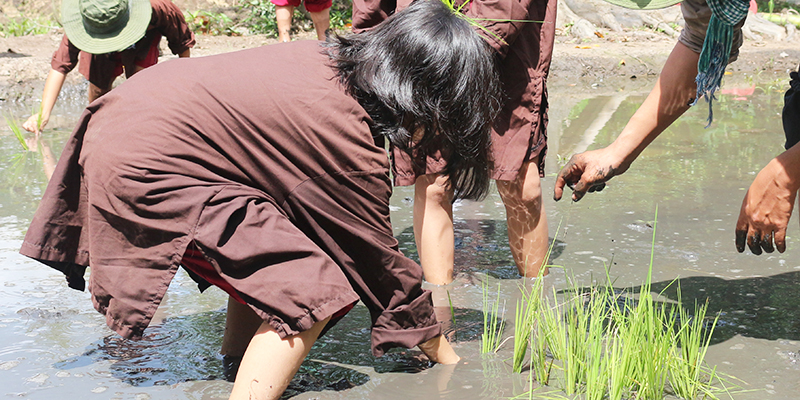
[
  {"x": 527, "y": 221},
  {"x": 270, "y": 362},
  {"x": 322, "y": 21},
  {"x": 433, "y": 228},
  {"x": 241, "y": 323},
  {"x": 95, "y": 92},
  {"x": 439, "y": 351},
  {"x": 283, "y": 16}
]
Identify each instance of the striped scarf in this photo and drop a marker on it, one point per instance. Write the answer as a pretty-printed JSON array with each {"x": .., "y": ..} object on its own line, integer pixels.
[{"x": 717, "y": 47}]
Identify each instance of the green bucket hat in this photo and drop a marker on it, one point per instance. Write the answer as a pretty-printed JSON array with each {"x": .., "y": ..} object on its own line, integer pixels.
[
  {"x": 105, "y": 26},
  {"x": 643, "y": 4}
]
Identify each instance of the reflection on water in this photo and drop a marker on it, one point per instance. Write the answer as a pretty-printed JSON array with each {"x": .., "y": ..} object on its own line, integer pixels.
[
  {"x": 54, "y": 345},
  {"x": 481, "y": 246}
]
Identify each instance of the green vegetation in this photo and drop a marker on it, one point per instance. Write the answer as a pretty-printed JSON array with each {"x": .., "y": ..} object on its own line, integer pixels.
[
  {"x": 261, "y": 17},
  {"x": 604, "y": 343},
  {"x": 26, "y": 26},
  {"x": 771, "y": 6},
  {"x": 15, "y": 129},
  {"x": 210, "y": 23}
]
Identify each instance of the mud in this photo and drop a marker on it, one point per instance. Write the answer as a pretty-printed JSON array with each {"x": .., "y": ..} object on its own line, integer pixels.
[{"x": 54, "y": 345}]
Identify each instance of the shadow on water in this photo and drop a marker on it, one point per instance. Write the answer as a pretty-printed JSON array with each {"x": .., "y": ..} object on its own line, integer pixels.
[
  {"x": 481, "y": 245},
  {"x": 186, "y": 348},
  {"x": 761, "y": 307}
]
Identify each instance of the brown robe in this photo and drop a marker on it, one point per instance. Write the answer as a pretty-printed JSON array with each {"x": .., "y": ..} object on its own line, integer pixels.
[
  {"x": 522, "y": 33},
  {"x": 261, "y": 160}
]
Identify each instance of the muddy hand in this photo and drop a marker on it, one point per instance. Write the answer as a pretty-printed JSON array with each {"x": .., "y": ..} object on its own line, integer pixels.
[
  {"x": 582, "y": 174},
  {"x": 765, "y": 212}
]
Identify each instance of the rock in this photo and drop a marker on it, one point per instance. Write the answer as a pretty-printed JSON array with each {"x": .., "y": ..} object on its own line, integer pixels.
[
  {"x": 791, "y": 33},
  {"x": 651, "y": 21},
  {"x": 564, "y": 15},
  {"x": 583, "y": 29},
  {"x": 645, "y": 35},
  {"x": 614, "y": 17},
  {"x": 750, "y": 35},
  {"x": 611, "y": 22},
  {"x": 759, "y": 26}
]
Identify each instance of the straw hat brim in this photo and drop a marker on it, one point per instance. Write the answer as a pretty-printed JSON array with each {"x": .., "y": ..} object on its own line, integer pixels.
[
  {"x": 643, "y": 4},
  {"x": 121, "y": 39}
]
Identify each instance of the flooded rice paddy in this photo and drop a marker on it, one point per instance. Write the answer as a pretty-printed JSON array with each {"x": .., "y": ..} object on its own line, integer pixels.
[{"x": 53, "y": 345}]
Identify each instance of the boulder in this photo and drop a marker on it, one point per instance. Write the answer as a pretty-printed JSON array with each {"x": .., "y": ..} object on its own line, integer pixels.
[
  {"x": 758, "y": 26},
  {"x": 583, "y": 29}
]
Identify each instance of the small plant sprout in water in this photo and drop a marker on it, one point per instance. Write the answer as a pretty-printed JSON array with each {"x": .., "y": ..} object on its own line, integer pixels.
[
  {"x": 603, "y": 343},
  {"x": 14, "y": 126},
  {"x": 493, "y": 321}
]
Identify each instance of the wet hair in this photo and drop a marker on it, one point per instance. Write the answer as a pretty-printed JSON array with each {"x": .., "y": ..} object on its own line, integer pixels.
[{"x": 425, "y": 68}]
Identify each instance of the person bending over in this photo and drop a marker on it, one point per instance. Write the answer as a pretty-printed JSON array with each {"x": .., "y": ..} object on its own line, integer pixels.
[
  {"x": 275, "y": 190},
  {"x": 110, "y": 37},
  {"x": 521, "y": 34}
]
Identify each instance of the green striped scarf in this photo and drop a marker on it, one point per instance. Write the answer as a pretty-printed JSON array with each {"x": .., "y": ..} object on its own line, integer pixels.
[{"x": 717, "y": 47}]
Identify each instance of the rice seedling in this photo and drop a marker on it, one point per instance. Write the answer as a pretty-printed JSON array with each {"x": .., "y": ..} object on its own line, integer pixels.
[
  {"x": 14, "y": 126},
  {"x": 458, "y": 5},
  {"x": 523, "y": 323},
  {"x": 602, "y": 343},
  {"x": 693, "y": 338},
  {"x": 493, "y": 321}
]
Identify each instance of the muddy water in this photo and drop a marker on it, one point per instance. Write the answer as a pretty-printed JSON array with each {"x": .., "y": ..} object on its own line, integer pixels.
[{"x": 54, "y": 345}]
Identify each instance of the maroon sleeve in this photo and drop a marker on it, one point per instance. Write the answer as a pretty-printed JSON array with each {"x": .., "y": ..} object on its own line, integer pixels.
[
  {"x": 368, "y": 13},
  {"x": 169, "y": 20},
  {"x": 501, "y": 21},
  {"x": 65, "y": 57}
]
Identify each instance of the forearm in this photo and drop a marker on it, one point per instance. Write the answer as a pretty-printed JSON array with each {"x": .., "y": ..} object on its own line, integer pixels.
[
  {"x": 787, "y": 168},
  {"x": 674, "y": 90},
  {"x": 52, "y": 88}
]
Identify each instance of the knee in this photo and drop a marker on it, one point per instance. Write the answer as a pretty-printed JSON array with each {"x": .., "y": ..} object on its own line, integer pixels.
[
  {"x": 524, "y": 193},
  {"x": 532, "y": 195}
]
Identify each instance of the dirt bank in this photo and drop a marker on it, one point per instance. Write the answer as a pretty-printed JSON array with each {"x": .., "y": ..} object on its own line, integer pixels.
[{"x": 618, "y": 61}]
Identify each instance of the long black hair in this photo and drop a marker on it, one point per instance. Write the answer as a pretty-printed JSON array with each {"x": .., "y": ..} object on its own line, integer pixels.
[{"x": 426, "y": 70}]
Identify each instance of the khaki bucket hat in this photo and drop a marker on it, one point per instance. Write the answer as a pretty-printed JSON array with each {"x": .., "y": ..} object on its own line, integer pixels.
[{"x": 105, "y": 26}]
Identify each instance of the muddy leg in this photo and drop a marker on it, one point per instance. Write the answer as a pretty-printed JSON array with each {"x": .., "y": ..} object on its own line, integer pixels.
[
  {"x": 270, "y": 362},
  {"x": 322, "y": 21},
  {"x": 283, "y": 16},
  {"x": 433, "y": 228},
  {"x": 527, "y": 221},
  {"x": 241, "y": 323}
]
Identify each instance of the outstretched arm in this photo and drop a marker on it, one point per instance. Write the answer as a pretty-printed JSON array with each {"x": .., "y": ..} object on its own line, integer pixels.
[
  {"x": 668, "y": 100},
  {"x": 768, "y": 204},
  {"x": 52, "y": 87}
]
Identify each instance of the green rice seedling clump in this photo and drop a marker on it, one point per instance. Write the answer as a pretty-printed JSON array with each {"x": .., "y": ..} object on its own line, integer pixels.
[{"x": 602, "y": 343}]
